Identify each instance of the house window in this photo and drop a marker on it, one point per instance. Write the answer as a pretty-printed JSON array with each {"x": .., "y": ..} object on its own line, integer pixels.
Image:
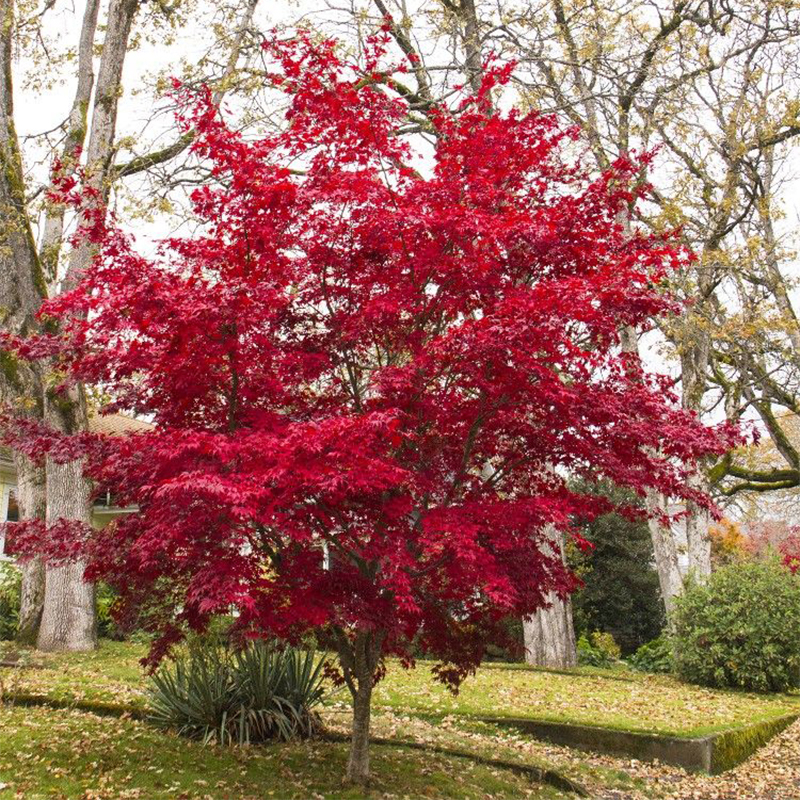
[
  {"x": 9, "y": 511},
  {"x": 12, "y": 510}
]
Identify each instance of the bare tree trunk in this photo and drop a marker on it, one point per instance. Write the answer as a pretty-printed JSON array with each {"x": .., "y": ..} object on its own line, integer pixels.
[
  {"x": 358, "y": 761},
  {"x": 359, "y": 658},
  {"x": 22, "y": 288},
  {"x": 698, "y": 536},
  {"x": 665, "y": 549},
  {"x": 100, "y": 151},
  {"x": 31, "y": 601},
  {"x": 31, "y": 498},
  {"x": 694, "y": 371},
  {"x": 549, "y": 634},
  {"x": 53, "y": 228},
  {"x": 471, "y": 39},
  {"x": 68, "y": 620},
  {"x": 665, "y": 552}
]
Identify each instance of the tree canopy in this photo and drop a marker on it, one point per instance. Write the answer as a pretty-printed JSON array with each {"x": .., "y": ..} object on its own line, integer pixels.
[{"x": 370, "y": 374}]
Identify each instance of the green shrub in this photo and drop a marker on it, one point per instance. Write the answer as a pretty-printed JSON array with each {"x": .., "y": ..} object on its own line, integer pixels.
[
  {"x": 598, "y": 650},
  {"x": 740, "y": 629},
  {"x": 655, "y": 656},
  {"x": 259, "y": 693},
  {"x": 620, "y": 592},
  {"x": 10, "y": 580},
  {"x": 106, "y": 625}
]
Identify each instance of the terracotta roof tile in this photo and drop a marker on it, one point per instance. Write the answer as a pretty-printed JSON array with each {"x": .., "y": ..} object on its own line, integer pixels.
[{"x": 117, "y": 424}]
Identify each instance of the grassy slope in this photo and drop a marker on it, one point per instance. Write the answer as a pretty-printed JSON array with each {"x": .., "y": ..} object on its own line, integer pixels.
[
  {"x": 595, "y": 697},
  {"x": 46, "y": 752},
  {"x": 70, "y": 754},
  {"x": 630, "y": 701}
]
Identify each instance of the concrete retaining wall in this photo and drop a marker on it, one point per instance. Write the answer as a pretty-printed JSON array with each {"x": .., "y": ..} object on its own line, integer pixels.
[{"x": 714, "y": 753}]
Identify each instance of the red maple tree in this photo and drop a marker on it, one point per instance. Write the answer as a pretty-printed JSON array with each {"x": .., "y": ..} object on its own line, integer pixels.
[{"x": 369, "y": 384}]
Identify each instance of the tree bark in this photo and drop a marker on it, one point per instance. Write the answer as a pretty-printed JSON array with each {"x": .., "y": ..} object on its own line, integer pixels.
[
  {"x": 32, "y": 502},
  {"x": 22, "y": 289},
  {"x": 549, "y": 634},
  {"x": 694, "y": 371},
  {"x": 68, "y": 620},
  {"x": 53, "y": 228},
  {"x": 100, "y": 151},
  {"x": 698, "y": 537},
  {"x": 665, "y": 552},
  {"x": 665, "y": 549},
  {"x": 359, "y": 659},
  {"x": 358, "y": 762}
]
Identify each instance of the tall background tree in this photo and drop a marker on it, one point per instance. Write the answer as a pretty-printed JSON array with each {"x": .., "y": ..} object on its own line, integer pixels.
[{"x": 36, "y": 259}]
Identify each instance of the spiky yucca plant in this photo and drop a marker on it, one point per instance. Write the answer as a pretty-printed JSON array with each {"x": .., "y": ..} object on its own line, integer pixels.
[{"x": 259, "y": 693}]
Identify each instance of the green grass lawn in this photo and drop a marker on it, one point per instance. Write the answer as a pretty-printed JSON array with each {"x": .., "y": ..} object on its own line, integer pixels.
[
  {"x": 112, "y": 673},
  {"x": 48, "y": 752},
  {"x": 71, "y": 754},
  {"x": 66, "y": 753},
  {"x": 625, "y": 700}
]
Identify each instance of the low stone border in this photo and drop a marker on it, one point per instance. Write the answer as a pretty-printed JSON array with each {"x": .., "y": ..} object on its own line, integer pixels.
[{"x": 714, "y": 753}]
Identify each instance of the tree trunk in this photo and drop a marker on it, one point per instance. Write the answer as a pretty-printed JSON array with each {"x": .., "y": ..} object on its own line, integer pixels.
[
  {"x": 68, "y": 619},
  {"x": 32, "y": 505},
  {"x": 359, "y": 659},
  {"x": 694, "y": 370},
  {"x": 665, "y": 552},
  {"x": 549, "y": 635},
  {"x": 665, "y": 549},
  {"x": 699, "y": 542},
  {"x": 358, "y": 762},
  {"x": 31, "y": 601}
]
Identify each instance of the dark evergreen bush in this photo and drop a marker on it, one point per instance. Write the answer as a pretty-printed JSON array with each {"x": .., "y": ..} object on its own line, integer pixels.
[
  {"x": 740, "y": 630},
  {"x": 621, "y": 594}
]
